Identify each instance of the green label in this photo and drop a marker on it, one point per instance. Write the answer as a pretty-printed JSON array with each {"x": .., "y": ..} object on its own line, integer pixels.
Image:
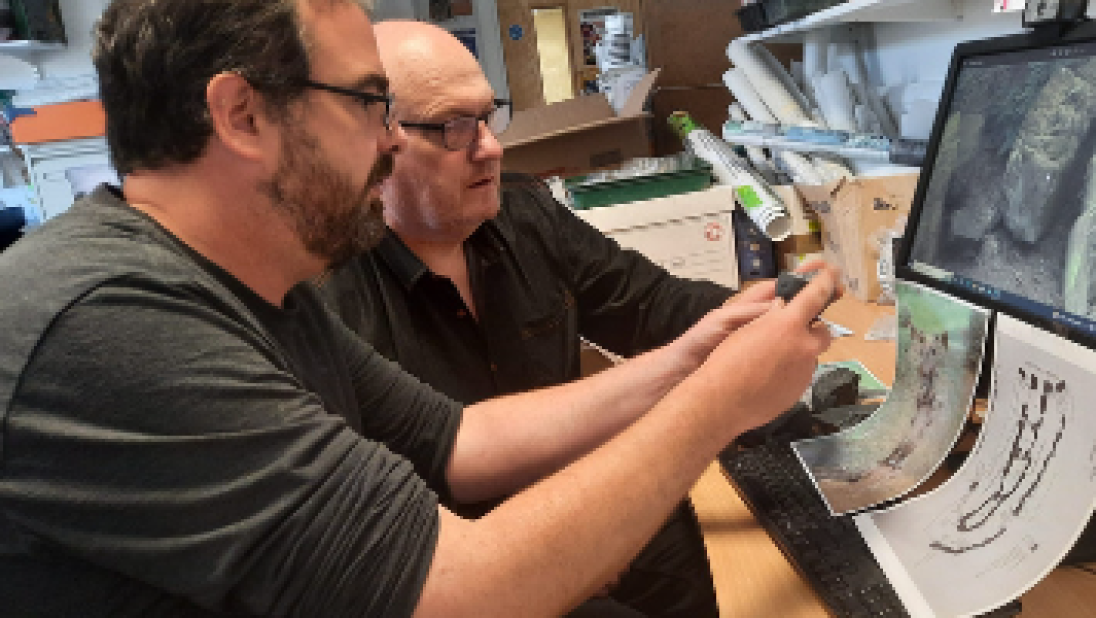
[{"x": 747, "y": 197}]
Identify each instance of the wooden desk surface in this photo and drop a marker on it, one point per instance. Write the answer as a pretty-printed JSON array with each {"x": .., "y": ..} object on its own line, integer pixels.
[{"x": 752, "y": 577}]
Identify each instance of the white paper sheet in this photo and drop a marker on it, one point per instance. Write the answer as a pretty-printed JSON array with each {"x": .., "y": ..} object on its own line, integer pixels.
[
  {"x": 1021, "y": 500},
  {"x": 940, "y": 344}
]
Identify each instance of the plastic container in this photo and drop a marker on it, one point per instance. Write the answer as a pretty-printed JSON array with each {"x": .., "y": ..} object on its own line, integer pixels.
[{"x": 687, "y": 175}]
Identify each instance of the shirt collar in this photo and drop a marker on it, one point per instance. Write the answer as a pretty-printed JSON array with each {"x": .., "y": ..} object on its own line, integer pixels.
[
  {"x": 406, "y": 266},
  {"x": 409, "y": 269}
]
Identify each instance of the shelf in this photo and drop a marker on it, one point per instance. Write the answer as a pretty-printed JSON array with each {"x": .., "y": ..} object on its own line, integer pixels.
[
  {"x": 28, "y": 47},
  {"x": 780, "y": 143},
  {"x": 872, "y": 11}
]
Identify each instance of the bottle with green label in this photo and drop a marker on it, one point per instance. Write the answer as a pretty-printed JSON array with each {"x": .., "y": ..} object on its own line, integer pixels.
[{"x": 764, "y": 207}]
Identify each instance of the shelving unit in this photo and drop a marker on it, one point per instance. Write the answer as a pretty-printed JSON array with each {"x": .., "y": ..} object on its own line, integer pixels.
[
  {"x": 866, "y": 11},
  {"x": 28, "y": 47},
  {"x": 869, "y": 155},
  {"x": 903, "y": 42}
]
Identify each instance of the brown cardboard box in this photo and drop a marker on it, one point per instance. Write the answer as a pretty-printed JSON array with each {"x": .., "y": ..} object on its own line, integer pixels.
[
  {"x": 805, "y": 241},
  {"x": 855, "y": 213},
  {"x": 578, "y": 135}
]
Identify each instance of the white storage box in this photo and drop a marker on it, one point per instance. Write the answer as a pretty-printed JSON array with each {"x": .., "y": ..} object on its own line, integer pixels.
[{"x": 689, "y": 234}]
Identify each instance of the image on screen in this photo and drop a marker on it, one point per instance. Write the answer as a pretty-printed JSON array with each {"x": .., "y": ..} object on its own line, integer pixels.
[{"x": 1009, "y": 211}]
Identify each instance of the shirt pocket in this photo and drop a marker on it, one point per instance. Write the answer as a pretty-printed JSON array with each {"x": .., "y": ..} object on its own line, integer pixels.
[{"x": 550, "y": 342}]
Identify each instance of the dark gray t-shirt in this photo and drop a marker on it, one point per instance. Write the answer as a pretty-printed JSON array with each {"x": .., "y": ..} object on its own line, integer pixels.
[{"x": 173, "y": 445}]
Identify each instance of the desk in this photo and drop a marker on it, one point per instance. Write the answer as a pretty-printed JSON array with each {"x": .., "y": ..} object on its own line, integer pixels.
[{"x": 752, "y": 577}]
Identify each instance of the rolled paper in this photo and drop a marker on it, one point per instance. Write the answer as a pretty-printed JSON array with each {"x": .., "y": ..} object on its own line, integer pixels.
[
  {"x": 870, "y": 96},
  {"x": 835, "y": 101},
  {"x": 761, "y": 204},
  {"x": 784, "y": 77},
  {"x": 768, "y": 86},
  {"x": 756, "y": 154},
  {"x": 744, "y": 92},
  {"x": 800, "y": 168},
  {"x": 816, "y": 45},
  {"x": 841, "y": 55}
]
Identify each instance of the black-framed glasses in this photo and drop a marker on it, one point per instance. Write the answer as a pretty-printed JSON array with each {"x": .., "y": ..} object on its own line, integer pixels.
[
  {"x": 459, "y": 132},
  {"x": 365, "y": 98}
]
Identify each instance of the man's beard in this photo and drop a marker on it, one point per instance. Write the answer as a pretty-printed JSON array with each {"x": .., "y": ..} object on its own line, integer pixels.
[{"x": 333, "y": 219}]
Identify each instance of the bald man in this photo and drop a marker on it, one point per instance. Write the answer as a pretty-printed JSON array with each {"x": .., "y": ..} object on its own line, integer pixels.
[{"x": 484, "y": 283}]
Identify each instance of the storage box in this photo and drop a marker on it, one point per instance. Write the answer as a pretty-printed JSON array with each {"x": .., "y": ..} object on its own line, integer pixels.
[
  {"x": 690, "y": 235},
  {"x": 679, "y": 174},
  {"x": 855, "y": 215},
  {"x": 578, "y": 135}
]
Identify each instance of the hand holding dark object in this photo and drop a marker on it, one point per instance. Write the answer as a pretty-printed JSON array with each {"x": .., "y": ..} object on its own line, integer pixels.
[{"x": 789, "y": 283}]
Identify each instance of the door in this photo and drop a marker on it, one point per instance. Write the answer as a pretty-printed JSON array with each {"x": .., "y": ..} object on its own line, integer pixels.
[
  {"x": 519, "y": 48},
  {"x": 522, "y": 47}
]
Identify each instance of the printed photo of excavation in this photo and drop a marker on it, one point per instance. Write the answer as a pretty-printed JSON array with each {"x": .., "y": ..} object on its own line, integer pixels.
[{"x": 940, "y": 346}]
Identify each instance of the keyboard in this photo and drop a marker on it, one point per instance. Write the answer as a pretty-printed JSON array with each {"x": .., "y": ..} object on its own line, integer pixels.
[{"x": 828, "y": 551}]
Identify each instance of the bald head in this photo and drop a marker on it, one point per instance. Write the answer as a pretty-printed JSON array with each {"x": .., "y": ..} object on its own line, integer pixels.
[{"x": 428, "y": 67}]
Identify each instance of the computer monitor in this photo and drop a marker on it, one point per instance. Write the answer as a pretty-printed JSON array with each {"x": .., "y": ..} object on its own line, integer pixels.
[{"x": 1004, "y": 215}]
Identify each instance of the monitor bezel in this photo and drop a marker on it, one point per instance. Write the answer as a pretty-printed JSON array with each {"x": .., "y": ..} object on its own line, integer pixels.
[{"x": 1034, "y": 39}]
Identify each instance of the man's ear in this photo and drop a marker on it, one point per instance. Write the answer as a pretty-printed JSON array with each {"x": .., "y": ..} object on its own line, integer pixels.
[{"x": 238, "y": 115}]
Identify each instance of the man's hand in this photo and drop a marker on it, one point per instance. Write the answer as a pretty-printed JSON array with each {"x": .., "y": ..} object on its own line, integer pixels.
[
  {"x": 766, "y": 365},
  {"x": 695, "y": 344}
]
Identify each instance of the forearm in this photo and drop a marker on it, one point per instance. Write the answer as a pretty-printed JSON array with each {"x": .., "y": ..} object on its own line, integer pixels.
[
  {"x": 510, "y": 442},
  {"x": 555, "y": 543},
  {"x": 547, "y": 548}
]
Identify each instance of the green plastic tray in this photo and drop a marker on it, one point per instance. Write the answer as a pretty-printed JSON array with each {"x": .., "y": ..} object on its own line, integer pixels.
[{"x": 638, "y": 188}]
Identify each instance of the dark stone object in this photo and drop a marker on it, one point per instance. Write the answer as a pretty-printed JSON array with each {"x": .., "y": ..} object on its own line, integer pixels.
[{"x": 839, "y": 386}]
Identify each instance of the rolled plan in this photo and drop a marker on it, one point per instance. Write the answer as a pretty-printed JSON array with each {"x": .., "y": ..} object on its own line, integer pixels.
[
  {"x": 835, "y": 100},
  {"x": 744, "y": 92},
  {"x": 784, "y": 77},
  {"x": 800, "y": 167},
  {"x": 756, "y": 154},
  {"x": 761, "y": 204},
  {"x": 816, "y": 47},
  {"x": 771, "y": 89}
]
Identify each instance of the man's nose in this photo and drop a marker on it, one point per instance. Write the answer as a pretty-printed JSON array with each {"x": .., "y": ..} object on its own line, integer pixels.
[
  {"x": 487, "y": 145},
  {"x": 394, "y": 139}
]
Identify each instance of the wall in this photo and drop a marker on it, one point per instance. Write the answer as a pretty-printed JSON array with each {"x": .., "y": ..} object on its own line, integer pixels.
[
  {"x": 485, "y": 20},
  {"x": 394, "y": 9},
  {"x": 80, "y": 16}
]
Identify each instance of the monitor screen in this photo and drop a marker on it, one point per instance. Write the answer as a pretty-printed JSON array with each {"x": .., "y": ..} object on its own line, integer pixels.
[{"x": 1005, "y": 210}]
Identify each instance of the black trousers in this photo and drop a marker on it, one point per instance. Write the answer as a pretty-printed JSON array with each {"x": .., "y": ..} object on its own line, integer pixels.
[{"x": 670, "y": 578}]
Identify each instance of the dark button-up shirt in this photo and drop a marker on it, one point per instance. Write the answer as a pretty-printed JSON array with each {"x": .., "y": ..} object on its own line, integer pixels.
[{"x": 540, "y": 278}]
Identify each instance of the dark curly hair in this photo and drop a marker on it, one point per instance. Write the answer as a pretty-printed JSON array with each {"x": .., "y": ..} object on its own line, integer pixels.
[{"x": 155, "y": 58}]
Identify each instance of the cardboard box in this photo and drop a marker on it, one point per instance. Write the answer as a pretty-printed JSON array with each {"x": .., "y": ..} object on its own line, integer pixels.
[
  {"x": 578, "y": 135},
  {"x": 855, "y": 214},
  {"x": 689, "y": 234},
  {"x": 805, "y": 241}
]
